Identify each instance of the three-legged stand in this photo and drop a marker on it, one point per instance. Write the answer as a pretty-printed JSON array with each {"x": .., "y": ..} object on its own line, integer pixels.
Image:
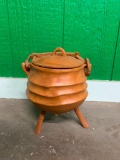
[{"x": 42, "y": 115}]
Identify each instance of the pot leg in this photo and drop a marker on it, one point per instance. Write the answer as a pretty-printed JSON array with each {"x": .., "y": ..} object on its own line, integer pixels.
[
  {"x": 81, "y": 118},
  {"x": 39, "y": 123}
]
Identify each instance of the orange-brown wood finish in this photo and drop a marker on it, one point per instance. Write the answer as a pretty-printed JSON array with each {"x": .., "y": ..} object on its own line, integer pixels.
[
  {"x": 39, "y": 123},
  {"x": 57, "y": 82},
  {"x": 81, "y": 118}
]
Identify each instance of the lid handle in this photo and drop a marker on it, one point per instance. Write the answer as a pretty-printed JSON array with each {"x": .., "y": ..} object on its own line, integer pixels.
[{"x": 59, "y": 49}]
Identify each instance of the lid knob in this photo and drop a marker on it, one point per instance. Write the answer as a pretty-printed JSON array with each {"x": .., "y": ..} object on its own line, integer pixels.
[{"x": 59, "y": 49}]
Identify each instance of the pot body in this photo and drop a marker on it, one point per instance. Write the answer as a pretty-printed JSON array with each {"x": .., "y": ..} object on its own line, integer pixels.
[{"x": 56, "y": 90}]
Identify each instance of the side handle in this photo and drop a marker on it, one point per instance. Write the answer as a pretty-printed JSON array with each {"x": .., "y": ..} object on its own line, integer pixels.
[
  {"x": 24, "y": 68},
  {"x": 26, "y": 65},
  {"x": 88, "y": 67}
]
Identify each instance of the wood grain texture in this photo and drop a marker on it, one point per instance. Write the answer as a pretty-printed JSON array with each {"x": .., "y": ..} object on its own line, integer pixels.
[
  {"x": 91, "y": 28},
  {"x": 116, "y": 66},
  {"x": 5, "y": 43},
  {"x": 35, "y": 26}
]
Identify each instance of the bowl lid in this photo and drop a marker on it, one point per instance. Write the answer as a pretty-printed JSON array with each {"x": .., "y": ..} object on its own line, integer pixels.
[{"x": 58, "y": 60}]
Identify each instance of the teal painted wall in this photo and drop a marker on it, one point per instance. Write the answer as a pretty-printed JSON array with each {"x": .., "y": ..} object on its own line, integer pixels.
[{"x": 90, "y": 27}]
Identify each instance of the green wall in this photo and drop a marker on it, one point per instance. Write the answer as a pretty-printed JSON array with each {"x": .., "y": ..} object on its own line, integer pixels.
[{"x": 88, "y": 26}]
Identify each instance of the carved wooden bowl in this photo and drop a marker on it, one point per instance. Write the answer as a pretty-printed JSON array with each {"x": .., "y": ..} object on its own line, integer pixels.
[{"x": 56, "y": 82}]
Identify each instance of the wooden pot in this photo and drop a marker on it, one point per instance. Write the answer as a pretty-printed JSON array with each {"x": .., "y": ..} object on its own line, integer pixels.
[{"x": 57, "y": 80}]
